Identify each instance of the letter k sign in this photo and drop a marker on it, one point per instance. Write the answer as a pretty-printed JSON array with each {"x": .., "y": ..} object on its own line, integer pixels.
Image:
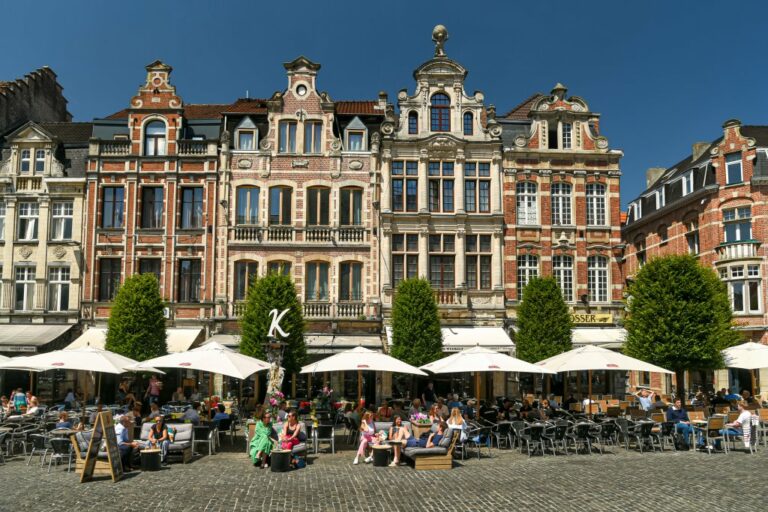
[{"x": 276, "y": 323}]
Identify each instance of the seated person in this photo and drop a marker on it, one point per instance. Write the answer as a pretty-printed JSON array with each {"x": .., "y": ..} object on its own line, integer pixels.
[
  {"x": 679, "y": 416},
  {"x": 178, "y": 395},
  {"x": 415, "y": 407},
  {"x": 525, "y": 409},
  {"x": 192, "y": 414},
  {"x": 220, "y": 414},
  {"x": 63, "y": 420},
  {"x": 659, "y": 403},
  {"x": 442, "y": 408},
  {"x": 95, "y": 414},
  {"x": 646, "y": 399},
  {"x": 34, "y": 407},
  {"x": 154, "y": 411},
  {"x": 385, "y": 412},
  {"x": 159, "y": 438},
  {"x": 568, "y": 401},
  {"x": 264, "y": 440},
  {"x": 745, "y": 395},
  {"x": 291, "y": 430},
  {"x": 545, "y": 410},
  {"x": 429, "y": 442},
  {"x": 397, "y": 411},
  {"x": 124, "y": 444},
  {"x": 456, "y": 422},
  {"x": 398, "y": 435},
  {"x": 282, "y": 414},
  {"x": 434, "y": 414},
  {"x": 454, "y": 402},
  {"x": 736, "y": 428},
  {"x": 507, "y": 412}
]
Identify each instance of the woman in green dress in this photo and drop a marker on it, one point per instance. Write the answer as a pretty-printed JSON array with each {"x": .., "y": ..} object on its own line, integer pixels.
[{"x": 262, "y": 442}]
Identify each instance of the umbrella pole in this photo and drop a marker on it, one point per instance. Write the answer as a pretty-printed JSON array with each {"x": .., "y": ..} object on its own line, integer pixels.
[
  {"x": 752, "y": 375},
  {"x": 359, "y": 385},
  {"x": 589, "y": 403},
  {"x": 98, "y": 391},
  {"x": 549, "y": 381},
  {"x": 578, "y": 381},
  {"x": 477, "y": 393}
]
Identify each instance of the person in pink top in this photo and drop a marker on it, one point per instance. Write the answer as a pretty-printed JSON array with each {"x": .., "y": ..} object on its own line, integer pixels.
[{"x": 153, "y": 390}]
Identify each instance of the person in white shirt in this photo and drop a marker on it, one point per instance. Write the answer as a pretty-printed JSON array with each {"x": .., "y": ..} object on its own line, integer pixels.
[{"x": 736, "y": 428}]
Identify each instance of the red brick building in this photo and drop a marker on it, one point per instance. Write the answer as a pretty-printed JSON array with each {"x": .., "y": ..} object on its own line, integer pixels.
[{"x": 712, "y": 204}]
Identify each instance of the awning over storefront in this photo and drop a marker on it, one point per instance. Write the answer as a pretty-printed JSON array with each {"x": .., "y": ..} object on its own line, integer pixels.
[
  {"x": 606, "y": 337},
  {"x": 228, "y": 340},
  {"x": 29, "y": 338},
  {"x": 332, "y": 344},
  {"x": 178, "y": 339},
  {"x": 456, "y": 339}
]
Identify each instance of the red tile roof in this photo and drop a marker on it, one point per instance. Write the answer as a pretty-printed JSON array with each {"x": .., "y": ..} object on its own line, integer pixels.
[
  {"x": 191, "y": 111},
  {"x": 521, "y": 111},
  {"x": 359, "y": 107},
  {"x": 247, "y": 106}
]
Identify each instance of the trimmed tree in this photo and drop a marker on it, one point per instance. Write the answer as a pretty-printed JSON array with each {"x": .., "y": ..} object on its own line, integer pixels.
[
  {"x": 543, "y": 321},
  {"x": 136, "y": 326},
  {"x": 679, "y": 317},
  {"x": 416, "y": 335},
  {"x": 273, "y": 291}
]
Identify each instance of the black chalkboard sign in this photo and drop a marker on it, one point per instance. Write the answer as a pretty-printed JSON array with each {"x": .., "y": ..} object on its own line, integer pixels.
[{"x": 104, "y": 429}]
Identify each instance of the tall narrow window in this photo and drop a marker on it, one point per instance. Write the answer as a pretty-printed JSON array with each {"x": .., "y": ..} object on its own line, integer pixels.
[
  {"x": 25, "y": 161},
  {"x": 405, "y": 189},
  {"x": 247, "y": 205},
  {"x": 737, "y": 224},
  {"x": 351, "y": 281},
  {"x": 39, "y": 161},
  {"x": 25, "y": 288},
  {"x": 441, "y": 186},
  {"x": 154, "y": 138},
  {"x": 191, "y": 208},
  {"x": 28, "y": 220},
  {"x": 246, "y": 273},
  {"x": 566, "y": 127},
  {"x": 152, "y": 207},
  {"x": 2, "y": 220},
  {"x": 595, "y": 204},
  {"x": 280, "y": 205},
  {"x": 279, "y": 267},
  {"x": 440, "y": 113},
  {"x": 442, "y": 256},
  {"x": 316, "y": 288},
  {"x": 640, "y": 251},
  {"x": 318, "y": 206},
  {"x": 61, "y": 220},
  {"x": 189, "y": 281},
  {"x": 597, "y": 278},
  {"x": 477, "y": 187},
  {"x": 405, "y": 257},
  {"x": 744, "y": 290},
  {"x": 351, "y": 207},
  {"x": 313, "y": 134},
  {"x": 58, "y": 288},
  {"x": 469, "y": 127},
  {"x": 562, "y": 268},
  {"x": 733, "y": 168},
  {"x": 112, "y": 207},
  {"x": 413, "y": 123},
  {"x": 478, "y": 262},
  {"x": 287, "y": 142},
  {"x": 692, "y": 237},
  {"x": 527, "y": 209},
  {"x": 151, "y": 266},
  {"x": 561, "y": 204},
  {"x": 109, "y": 278},
  {"x": 687, "y": 183},
  {"x": 527, "y": 269}
]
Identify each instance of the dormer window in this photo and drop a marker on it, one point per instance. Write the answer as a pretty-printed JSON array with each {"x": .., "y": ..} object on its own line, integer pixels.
[
  {"x": 25, "y": 162},
  {"x": 733, "y": 168},
  {"x": 154, "y": 139},
  {"x": 246, "y": 135},
  {"x": 687, "y": 183},
  {"x": 356, "y": 135},
  {"x": 566, "y": 131},
  {"x": 39, "y": 161},
  {"x": 413, "y": 123},
  {"x": 468, "y": 123},
  {"x": 440, "y": 113}
]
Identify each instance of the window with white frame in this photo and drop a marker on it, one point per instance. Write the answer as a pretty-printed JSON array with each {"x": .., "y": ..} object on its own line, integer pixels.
[
  {"x": 596, "y": 204},
  {"x": 313, "y": 136},
  {"x": 112, "y": 207},
  {"x": 25, "y": 161},
  {"x": 737, "y": 224},
  {"x": 441, "y": 187},
  {"x": 744, "y": 288},
  {"x": 660, "y": 200},
  {"x": 152, "y": 207},
  {"x": 478, "y": 262},
  {"x": 61, "y": 220},
  {"x": 562, "y": 268},
  {"x": 28, "y": 217},
  {"x": 687, "y": 183},
  {"x": 2, "y": 220},
  {"x": 477, "y": 187},
  {"x": 566, "y": 129},
  {"x": 405, "y": 257},
  {"x": 442, "y": 249},
  {"x": 640, "y": 250},
  {"x": 25, "y": 288},
  {"x": 247, "y": 135},
  {"x": 39, "y": 161},
  {"x": 597, "y": 278},
  {"x": 527, "y": 269},
  {"x": 351, "y": 281},
  {"x": 287, "y": 137},
  {"x": 58, "y": 288},
  {"x": 405, "y": 186},
  {"x": 692, "y": 237},
  {"x": 355, "y": 133},
  {"x": 561, "y": 204},
  {"x": 246, "y": 273},
  {"x": 527, "y": 209},
  {"x": 154, "y": 138},
  {"x": 109, "y": 278},
  {"x": 316, "y": 281},
  {"x": 247, "y": 211},
  {"x": 733, "y": 172},
  {"x": 151, "y": 266},
  {"x": 191, "y": 207}
]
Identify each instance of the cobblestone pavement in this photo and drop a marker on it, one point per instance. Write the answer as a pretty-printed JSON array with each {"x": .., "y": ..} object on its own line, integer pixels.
[{"x": 228, "y": 482}]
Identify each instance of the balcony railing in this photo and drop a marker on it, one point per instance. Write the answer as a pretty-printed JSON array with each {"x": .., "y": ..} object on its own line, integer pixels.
[
  {"x": 29, "y": 183},
  {"x": 238, "y": 308},
  {"x": 194, "y": 148},
  {"x": 114, "y": 147},
  {"x": 247, "y": 233},
  {"x": 351, "y": 234},
  {"x": 350, "y": 309},
  {"x": 448, "y": 296},
  {"x": 318, "y": 234},
  {"x": 280, "y": 233},
  {"x": 746, "y": 249},
  {"x": 317, "y": 309},
  {"x": 320, "y": 310},
  {"x": 311, "y": 234}
]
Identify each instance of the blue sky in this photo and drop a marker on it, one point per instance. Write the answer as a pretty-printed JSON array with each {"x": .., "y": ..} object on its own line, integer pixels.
[{"x": 662, "y": 74}]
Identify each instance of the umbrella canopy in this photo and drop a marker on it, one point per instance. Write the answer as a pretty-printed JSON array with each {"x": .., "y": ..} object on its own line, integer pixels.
[
  {"x": 3, "y": 358},
  {"x": 211, "y": 357},
  {"x": 748, "y": 356},
  {"x": 87, "y": 359},
  {"x": 480, "y": 359},
  {"x": 18, "y": 363},
  {"x": 362, "y": 359},
  {"x": 596, "y": 358}
]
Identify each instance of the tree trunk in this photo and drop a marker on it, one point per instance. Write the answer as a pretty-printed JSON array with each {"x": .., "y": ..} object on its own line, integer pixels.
[{"x": 680, "y": 385}]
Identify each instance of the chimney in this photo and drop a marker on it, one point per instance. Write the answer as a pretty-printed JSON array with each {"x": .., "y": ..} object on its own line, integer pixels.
[
  {"x": 382, "y": 100},
  {"x": 652, "y": 175},
  {"x": 698, "y": 149}
]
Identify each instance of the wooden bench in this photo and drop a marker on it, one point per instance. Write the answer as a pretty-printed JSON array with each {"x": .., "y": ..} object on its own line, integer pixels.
[{"x": 430, "y": 461}]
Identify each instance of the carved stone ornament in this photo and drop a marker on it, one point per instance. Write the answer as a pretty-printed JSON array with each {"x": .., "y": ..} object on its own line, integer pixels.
[
  {"x": 264, "y": 173},
  {"x": 440, "y": 36},
  {"x": 57, "y": 170},
  {"x": 25, "y": 252},
  {"x": 495, "y": 130},
  {"x": 59, "y": 252},
  {"x": 543, "y": 106},
  {"x": 224, "y": 137},
  {"x": 387, "y": 128},
  {"x": 601, "y": 143},
  {"x": 577, "y": 108},
  {"x": 442, "y": 144},
  {"x": 521, "y": 141},
  {"x": 335, "y": 173},
  {"x": 244, "y": 163},
  {"x": 302, "y": 163},
  {"x": 336, "y": 145},
  {"x": 265, "y": 144},
  {"x": 355, "y": 165}
]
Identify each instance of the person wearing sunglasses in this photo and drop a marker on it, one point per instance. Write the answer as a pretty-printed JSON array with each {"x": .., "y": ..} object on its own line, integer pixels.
[{"x": 264, "y": 440}]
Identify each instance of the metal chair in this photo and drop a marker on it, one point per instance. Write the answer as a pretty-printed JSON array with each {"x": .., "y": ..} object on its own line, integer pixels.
[
  {"x": 515, "y": 428},
  {"x": 533, "y": 436},
  {"x": 224, "y": 427},
  {"x": 579, "y": 436},
  {"x": 665, "y": 434},
  {"x": 62, "y": 449},
  {"x": 501, "y": 433},
  {"x": 3, "y": 446},
  {"x": 643, "y": 434},
  {"x": 203, "y": 435},
  {"x": 477, "y": 437},
  {"x": 555, "y": 435},
  {"x": 324, "y": 433},
  {"x": 40, "y": 447}
]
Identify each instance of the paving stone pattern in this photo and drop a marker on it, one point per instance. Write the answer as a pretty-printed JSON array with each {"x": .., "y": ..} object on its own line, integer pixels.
[{"x": 228, "y": 482}]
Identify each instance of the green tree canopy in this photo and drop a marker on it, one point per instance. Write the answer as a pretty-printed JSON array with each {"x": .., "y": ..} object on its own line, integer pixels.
[
  {"x": 416, "y": 335},
  {"x": 136, "y": 326},
  {"x": 679, "y": 316},
  {"x": 543, "y": 321},
  {"x": 274, "y": 291}
]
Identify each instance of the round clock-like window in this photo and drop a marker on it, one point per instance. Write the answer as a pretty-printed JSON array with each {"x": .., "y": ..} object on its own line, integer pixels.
[{"x": 301, "y": 90}]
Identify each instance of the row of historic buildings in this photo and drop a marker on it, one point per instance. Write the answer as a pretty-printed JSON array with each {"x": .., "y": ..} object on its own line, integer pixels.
[{"x": 349, "y": 198}]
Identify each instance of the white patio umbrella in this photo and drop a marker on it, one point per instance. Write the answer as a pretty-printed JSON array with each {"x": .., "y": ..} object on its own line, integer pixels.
[
  {"x": 591, "y": 358},
  {"x": 211, "y": 357},
  {"x": 360, "y": 358},
  {"x": 480, "y": 359},
  {"x": 747, "y": 356}
]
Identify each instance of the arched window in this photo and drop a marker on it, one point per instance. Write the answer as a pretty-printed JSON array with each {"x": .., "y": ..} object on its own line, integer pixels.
[
  {"x": 154, "y": 138},
  {"x": 280, "y": 205},
  {"x": 247, "y": 205},
  {"x": 24, "y": 164},
  {"x": 468, "y": 123},
  {"x": 316, "y": 287},
  {"x": 280, "y": 267},
  {"x": 440, "y": 112},
  {"x": 413, "y": 123},
  {"x": 527, "y": 213},
  {"x": 527, "y": 269},
  {"x": 562, "y": 269},
  {"x": 561, "y": 204},
  {"x": 245, "y": 274}
]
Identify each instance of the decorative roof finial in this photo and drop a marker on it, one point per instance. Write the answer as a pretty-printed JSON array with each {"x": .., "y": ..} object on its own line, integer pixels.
[{"x": 440, "y": 36}]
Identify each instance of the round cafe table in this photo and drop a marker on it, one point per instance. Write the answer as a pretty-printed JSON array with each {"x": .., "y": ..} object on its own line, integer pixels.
[
  {"x": 280, "y": 461},
  {"x": 150, "y": 459},
  {"x": 381, "y": 455}
]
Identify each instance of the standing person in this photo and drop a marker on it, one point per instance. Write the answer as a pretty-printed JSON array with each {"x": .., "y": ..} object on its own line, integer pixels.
[
  {"x": 428, "y": 395},
  {"x": 159, "y": 438},
  {"x": 153, "y": 390},
  {"x": 19, "y": 400},
  {"x": 263, "y": 441},
  {"x": 367, "y": 437},
  {"x": 645, "y": 398}
]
